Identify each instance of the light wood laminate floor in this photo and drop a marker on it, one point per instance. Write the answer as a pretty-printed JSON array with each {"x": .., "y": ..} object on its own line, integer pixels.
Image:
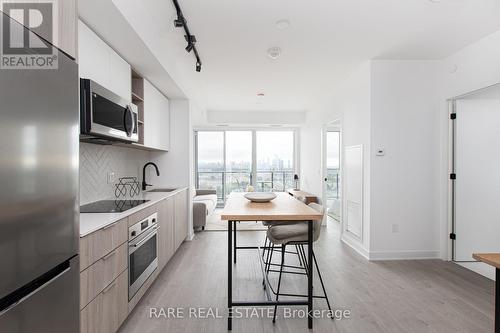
[{"x": 391, "y": 296}]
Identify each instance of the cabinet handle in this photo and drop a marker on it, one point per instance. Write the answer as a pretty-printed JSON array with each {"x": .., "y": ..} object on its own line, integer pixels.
[
  {"x": 108, "y": 288},
  {"x": 109, "y": 256},
  {"x": 110, "y": 226}
]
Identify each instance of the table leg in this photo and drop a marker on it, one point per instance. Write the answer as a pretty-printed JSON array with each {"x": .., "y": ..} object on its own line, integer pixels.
[
  {"x": 310, "y": 275},
  {"x": 234, "y": 230},
  {"x": 497, "y": 300},
  {"x": 229, "y": 277}
]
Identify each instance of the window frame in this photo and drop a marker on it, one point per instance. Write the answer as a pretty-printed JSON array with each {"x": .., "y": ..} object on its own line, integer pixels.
[{"x": 254, "y": 130}]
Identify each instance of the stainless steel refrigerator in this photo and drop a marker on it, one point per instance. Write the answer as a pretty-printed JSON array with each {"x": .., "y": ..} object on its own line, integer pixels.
[{"x": 39, "y": 231}]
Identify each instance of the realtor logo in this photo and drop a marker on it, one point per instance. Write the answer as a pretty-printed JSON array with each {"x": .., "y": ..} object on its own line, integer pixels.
[{"x": 29, "y": 49}]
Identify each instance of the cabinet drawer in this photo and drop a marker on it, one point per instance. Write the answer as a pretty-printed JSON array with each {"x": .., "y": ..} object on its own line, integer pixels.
[
  {"x": 108, "y": 310},
  {"x": 142, "y": 214},
  {"x": 98, "y": 244},
  {"x": 95, "y": 278}
]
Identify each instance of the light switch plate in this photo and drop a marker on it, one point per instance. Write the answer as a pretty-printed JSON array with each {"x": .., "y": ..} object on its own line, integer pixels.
[
  {"x": 111, "y": 177},
  {"x": 380, "y": 152}
]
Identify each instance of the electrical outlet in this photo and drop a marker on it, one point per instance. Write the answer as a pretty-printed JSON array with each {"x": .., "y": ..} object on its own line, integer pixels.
[
  {"x": 395, "y": 228},
  {"x": 111, "y": 177}
]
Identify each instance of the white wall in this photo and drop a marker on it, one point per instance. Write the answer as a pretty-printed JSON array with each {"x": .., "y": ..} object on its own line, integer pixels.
[
  {"x": 255, "y": 117},
  {"x": 404, "y": 182},
  {"x": 355, "y": 105},
  {"x": 350, "y": 104},
  {"x": 176, "y": 166},
  {"x": 311, "y": 147}
]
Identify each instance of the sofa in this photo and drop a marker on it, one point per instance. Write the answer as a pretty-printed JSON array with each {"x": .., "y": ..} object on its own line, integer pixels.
[{"x": 204, "y": 203}]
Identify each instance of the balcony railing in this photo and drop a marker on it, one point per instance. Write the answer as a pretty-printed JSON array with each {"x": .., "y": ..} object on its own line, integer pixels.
[
  {"x": 332, "y": 183},
  {"x": 225, "y": 182}
]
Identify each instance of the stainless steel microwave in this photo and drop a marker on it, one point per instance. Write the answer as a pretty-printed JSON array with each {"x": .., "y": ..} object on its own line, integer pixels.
[{"x": 105, "y": 115}]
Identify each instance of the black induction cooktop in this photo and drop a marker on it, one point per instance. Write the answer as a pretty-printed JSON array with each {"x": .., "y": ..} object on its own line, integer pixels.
[{"x": 110, "y": 206}]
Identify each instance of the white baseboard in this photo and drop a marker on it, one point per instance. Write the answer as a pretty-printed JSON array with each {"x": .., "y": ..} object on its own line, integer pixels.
[
  {"x": 388, "y": 255},
  {"x": 403, "y": 255},
  {"x": 355, "y": 245}
]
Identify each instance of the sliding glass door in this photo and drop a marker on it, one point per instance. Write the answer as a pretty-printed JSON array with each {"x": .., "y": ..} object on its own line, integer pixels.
[
  {"x": 238, "y": 161},
  {"x": 229, "y": 161},
  {"x": 275, "y": 160},
  {"x": 210, "y": 166}
]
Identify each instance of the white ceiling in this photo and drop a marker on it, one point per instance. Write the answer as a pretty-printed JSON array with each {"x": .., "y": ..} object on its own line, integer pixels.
[{"x": 326, "y": 39}]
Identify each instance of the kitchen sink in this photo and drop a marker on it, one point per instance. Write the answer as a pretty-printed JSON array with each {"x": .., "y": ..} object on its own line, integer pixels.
[{"x": 162, "y": 190}]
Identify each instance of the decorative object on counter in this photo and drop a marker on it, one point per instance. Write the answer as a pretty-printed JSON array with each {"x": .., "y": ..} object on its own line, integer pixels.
[
  {"x": 128, "y": 185},
  {"x": 260, "y": 196},
  {"x": 296, "y": 180},
  {"x": 250, "y": 188}
]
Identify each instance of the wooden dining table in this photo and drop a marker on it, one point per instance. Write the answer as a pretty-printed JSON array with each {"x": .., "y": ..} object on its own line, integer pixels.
[
  {"x": 493, "y": 259},
  {"x": 283, "y": 208}
]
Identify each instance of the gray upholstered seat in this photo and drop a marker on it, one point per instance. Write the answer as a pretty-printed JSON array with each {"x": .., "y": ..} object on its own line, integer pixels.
[
  {"x": 279, "y": 233},
  {"x": 271, "y": 223}
]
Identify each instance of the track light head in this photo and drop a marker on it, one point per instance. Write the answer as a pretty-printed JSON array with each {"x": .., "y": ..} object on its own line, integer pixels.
[
  {"x": 179, "y": 23},
  {"x": 189, "y": 47},
  {"x": 198, "y": 66},
  {"x": 191, "y": 39}
]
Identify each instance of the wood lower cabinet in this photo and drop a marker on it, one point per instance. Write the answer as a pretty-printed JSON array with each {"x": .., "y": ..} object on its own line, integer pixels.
[
  {"x": 97, "y": 277},
  {"x": 104, "y": 299},
  {"x": 166, "y": 247},
  {"x": 181, "y": 218},
  {"x": 108, "y": 310},
  {"x": 100, "y": 243}
]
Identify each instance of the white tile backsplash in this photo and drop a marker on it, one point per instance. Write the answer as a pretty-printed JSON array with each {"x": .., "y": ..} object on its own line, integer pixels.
[{"x": 96, "y": 161}]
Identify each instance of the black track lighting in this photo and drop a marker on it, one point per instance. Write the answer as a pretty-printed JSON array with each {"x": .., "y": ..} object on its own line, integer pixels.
[
  {"x": 191, "y": 39},
  {"x": 181, "y": 22}
]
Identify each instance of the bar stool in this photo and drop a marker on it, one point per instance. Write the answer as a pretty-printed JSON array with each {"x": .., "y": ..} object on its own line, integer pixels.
[
  {"x": 296, "y": 234},
  {"x": 269, "y": 248}
]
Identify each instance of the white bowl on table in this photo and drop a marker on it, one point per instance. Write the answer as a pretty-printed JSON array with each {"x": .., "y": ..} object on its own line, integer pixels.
[{"x": 260, "y": 196}]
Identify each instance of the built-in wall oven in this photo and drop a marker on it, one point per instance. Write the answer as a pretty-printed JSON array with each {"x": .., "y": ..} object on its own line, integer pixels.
[
  {"x": 142, "y": 253},
  {"x": 106, "y": 116}
]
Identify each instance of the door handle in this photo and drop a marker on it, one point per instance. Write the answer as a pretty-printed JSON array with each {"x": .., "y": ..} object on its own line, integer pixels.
[
  {"x": 109, "y": 287},
  {"x": 19, "y": 301}
]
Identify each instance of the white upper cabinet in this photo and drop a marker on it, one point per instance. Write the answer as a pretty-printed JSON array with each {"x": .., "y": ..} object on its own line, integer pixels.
[
  {"x": 156, "y": 118},
  {"x": 99, "y": 62}
]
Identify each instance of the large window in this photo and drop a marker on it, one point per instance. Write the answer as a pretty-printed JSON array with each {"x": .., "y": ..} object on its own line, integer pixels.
[
  {"x": 210, "y": 161},
  {"x": 230, "y": 161},
  {"x": 275, "y": 152},
  {"x": 238, "y": 161}
]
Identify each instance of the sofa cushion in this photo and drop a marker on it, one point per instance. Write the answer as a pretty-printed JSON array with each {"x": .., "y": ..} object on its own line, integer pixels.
[{"x": 210, "y": 201}]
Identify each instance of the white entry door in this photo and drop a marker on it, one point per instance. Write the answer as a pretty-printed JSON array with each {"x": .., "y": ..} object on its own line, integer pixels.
[{"x": 477, "y": 184}]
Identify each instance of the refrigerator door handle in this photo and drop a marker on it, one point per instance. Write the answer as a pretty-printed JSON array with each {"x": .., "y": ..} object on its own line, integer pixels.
[{"x": 19, "y": 301}]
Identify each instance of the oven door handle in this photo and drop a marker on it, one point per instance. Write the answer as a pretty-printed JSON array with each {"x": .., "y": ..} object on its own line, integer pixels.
[{"x": 145, "y": 239}]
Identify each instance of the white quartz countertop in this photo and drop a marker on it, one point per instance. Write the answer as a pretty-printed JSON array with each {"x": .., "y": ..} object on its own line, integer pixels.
[{"x": 90, "y": 222}]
